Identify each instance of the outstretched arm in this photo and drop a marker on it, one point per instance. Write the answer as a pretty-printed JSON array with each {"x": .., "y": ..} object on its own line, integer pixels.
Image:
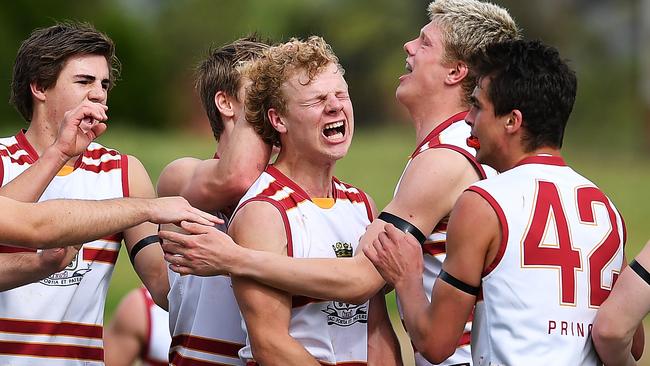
[
  {"x": 618, "y": 329},
  {"x": 267, "y": 311}
]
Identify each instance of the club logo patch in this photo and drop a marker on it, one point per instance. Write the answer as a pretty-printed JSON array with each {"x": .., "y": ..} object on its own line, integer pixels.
[
  {"x": 342, "y": 250},
  {"x": 69, "y": 276},
  {"x": 345, "y": 315}
]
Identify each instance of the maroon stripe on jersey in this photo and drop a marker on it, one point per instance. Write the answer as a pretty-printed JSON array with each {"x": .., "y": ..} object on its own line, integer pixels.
[
  {"x": 349, "y": 363},
  {"x": 125, "y": 176},
  {"x": 622, "y": 224},
  {"x": 105, "y": 166},
  {"x": 471, "y": 158},
  {"x": 51, "y": 328},
  {"x": 23, "y": 159},
  {"x": 24, "y": 144},
  {"x": 434, "y": 248},
  {"x": 208, "y": 345},
  {"x": 148, "y": 361},
  {"x": 115, "y": 237},
  {"x": 354, "y": 197},
  {"x": 100, "y": 255},
  {"x": 176, "y": 359},
  {"x": 52, "y": 350},
  {"x": 283, "y": 213},
  {"x": 504, "y": 226},
  {"x": 9, "y": 249},
  {"x": 97, "y": 153},
  {"x": 436, "y": 131},
  {"x": 286, "y": 181},
  {"x": 542, "y": 159}
]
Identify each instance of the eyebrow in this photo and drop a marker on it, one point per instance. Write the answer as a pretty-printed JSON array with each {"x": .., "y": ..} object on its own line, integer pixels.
[{"x": 92, "y": 78}]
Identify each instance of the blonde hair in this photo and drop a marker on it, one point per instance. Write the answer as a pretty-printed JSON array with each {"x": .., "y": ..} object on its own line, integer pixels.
[
  {"x": 467, "y": 27},
  {"x": 269, "y": 73}
]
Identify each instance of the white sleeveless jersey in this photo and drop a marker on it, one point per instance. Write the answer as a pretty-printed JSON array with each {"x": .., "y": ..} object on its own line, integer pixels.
[
  {"x": 561, "y": 251},
  {"x": 204, "y": 320},
  {"x": 451, "y": 134},
  {"x": 156, "y": 350},
  {"x": 58, "y": 320},
  {"x": 335, "y": 333}
]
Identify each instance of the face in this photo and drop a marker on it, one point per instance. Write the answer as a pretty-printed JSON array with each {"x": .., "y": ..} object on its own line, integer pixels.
[
  {"x": 83, "y": 77},
  {"x": 488, "y": 132},
  {"x": 319, "y": 120},
  {"x": 425, "y": 71}
]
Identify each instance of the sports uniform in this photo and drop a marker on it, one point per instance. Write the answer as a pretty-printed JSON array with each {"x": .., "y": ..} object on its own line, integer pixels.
[
  {"x": 58, "y": 320},
  {"x": 333, "y": 332},
  {"x": 204, "y": 320},
  {"x": 156, "y": 350},
  {"x": 560, "y": 253},
  {"x": 451, "y": 134}
]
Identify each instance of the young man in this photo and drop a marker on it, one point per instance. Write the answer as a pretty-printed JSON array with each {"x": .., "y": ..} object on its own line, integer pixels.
[
  {"x": 139, "y": 331},
  {"x": 618, "y": 322},
  {"x": 204, "y": 317},
  {"x": 539, "y": 246},
  {"x": 436, "y": 92},
  {"x": 61, "y": 72}
]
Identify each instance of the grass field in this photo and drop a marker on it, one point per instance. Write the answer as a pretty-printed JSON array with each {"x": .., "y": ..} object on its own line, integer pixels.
[{"x": 375, "y": 163}]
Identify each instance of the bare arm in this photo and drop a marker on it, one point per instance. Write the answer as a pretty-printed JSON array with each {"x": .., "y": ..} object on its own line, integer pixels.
[
  {"x": 149, "y": 264},
  {"x": 60, "y": 223},
  {"x": 618, "y": 321},
  {"x": 267, "y": 311},
  {"x": 399, "y": 259},
  {"x": 383, "y": 345},
  {"x": 126, "y": 335},
  {"x": 218, "y": 183}
]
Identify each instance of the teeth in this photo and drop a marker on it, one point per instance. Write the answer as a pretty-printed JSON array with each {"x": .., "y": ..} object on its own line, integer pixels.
[
  {"x": 333, "y": 125},
  {"x": 408, "y": 67}
]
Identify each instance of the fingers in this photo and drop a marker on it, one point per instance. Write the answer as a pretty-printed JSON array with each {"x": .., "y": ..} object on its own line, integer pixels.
[
  {"x": 174, "y": 237},
  {"x": 198, "y": 228},
  {"x": 204, "y": 218}
]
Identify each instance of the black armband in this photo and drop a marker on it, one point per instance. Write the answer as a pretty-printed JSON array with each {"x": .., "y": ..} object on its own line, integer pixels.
[
  {"x": 141, "y": 244},
  {"x": 638, "y": 268},
  {"x": 403, "y": 225},
  {"x": 468, "y": 289}
]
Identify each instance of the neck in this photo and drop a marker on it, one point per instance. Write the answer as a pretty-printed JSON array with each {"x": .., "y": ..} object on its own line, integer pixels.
[
  {"x": 516, "y": 158},
  {"x": 427, "y": 116},
  {"x": 314, "y": 178},
  {"x": 41, "y": 133}
]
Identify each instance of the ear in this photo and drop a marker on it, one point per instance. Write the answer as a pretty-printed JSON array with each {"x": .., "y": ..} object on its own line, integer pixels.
[
  {"x": 457, "y": 73},
  {"x": 38, "y": 92},
  {"x": 276, "y": 121},
  {"x": 224, "y": 104},
  {"x": 514, "y": 121}
]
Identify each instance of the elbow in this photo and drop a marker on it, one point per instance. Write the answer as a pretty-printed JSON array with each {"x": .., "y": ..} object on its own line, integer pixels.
[
  {"x": 437, "y": 355},
  {"x": 606, "y": 332},
  {"x": 359, "y": 296},
  {"x": 265, "y": 350},
  {"x": 433, "y": 348}
]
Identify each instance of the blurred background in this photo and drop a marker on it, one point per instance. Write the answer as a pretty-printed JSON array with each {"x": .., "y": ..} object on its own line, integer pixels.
[{"x": 155, "y": 114}]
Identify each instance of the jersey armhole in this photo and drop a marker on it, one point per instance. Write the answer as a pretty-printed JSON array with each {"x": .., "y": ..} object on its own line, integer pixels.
[
  {"x": 148, "y": 303},
  {"x": 283, "y": 214},
  {"x": 503, "y": 223},
  {"x": 124, "y": 162}
]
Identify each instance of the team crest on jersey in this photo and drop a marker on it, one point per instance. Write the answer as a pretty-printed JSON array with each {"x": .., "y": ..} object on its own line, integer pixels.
[
  {"x": 342, "y": 250},
  {"x": 345, "y": 315},
  {"x": 70, "y": 275}
]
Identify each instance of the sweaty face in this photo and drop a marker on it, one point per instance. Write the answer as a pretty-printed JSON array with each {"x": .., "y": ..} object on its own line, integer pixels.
[
  {"x": 319, "y": 119},
  {"x": 488, "y": 130},
  {"x": 83, "y": 77},
  {"x": 425, "y": 71}
]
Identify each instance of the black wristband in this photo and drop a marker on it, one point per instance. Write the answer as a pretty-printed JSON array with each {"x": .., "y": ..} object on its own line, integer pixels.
[
  {"x": 403, "y": 225},
  {"x": 141, "y": 244},
  {"x": 638, "y": 268},
  {"x": 468, "y": 289}
]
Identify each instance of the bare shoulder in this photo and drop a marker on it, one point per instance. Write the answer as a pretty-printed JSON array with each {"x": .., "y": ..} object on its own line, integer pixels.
[
  {"x": 130, "y": 314},
  {"x": 259, "y": 225},
  {"x": 176, "y": 175}
]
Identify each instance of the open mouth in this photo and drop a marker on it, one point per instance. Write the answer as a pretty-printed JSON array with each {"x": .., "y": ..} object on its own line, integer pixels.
[
  {"x": 473, "y": 142},
  {"x": 334, "y": 130},
  {"x": 409, "y": 68}
]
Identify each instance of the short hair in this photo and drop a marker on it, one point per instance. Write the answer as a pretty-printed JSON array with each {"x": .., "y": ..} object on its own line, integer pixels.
[
  {"x": 220, "y": 71},
  {"x": 531, "y": 77},
  {"x": 270, "y": 72},
  {"x": 468, "y": 26},
  {"x": 42, "y": 56}
]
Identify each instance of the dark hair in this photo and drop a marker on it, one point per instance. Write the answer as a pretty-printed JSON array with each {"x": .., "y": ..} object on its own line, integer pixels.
[
  {"x": 531, "y": 77},
  {"x": 42, "y": 56},
  {"x": 220, "y": 71}
]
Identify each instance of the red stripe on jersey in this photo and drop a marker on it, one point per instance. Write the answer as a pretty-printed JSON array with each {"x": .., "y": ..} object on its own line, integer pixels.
[
  {"x": 149, "y": 304},
  {"x": 433, "y": 136},
  {"x": 97, "y": 153},
  {"x": 51, "y": 328},
  {"x": 125, "y": 176},
  {"x": 434, "y": 248},
  {"x": 150, "y": 362},
  {"x": 105, "y": 166},
  {"x": 52, "y": 350},
  {"x": 283, "y": 213},
  {"x": 465, "y": 339},
  {"x": 348, "y": 363},
  {"x": 23, "y": 159},
  {"x": 115, "y": 237},
  {"x": 100, "y": 255},
  {"x": 176, "y": 359},
  {"x": 8, "y": 249},
  {"x": 24, "y": 144},
  {"x": 504, "y": 226},
  {"x": 208, "y": 345}
]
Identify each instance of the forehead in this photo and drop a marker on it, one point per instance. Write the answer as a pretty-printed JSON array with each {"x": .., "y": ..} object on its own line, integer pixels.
[
  {"x": 329, "y": 79},
  {"x": 432, "y": 31},
  {"x": 93, "y": 65}
]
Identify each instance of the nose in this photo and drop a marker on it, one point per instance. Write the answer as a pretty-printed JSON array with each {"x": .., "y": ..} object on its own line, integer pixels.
[
  {"x": 333, "y": 104},
  {"x": 469, "y": 118},
  {"x": 408, "y": 46},
  {"x": 97, "y": 94}
]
